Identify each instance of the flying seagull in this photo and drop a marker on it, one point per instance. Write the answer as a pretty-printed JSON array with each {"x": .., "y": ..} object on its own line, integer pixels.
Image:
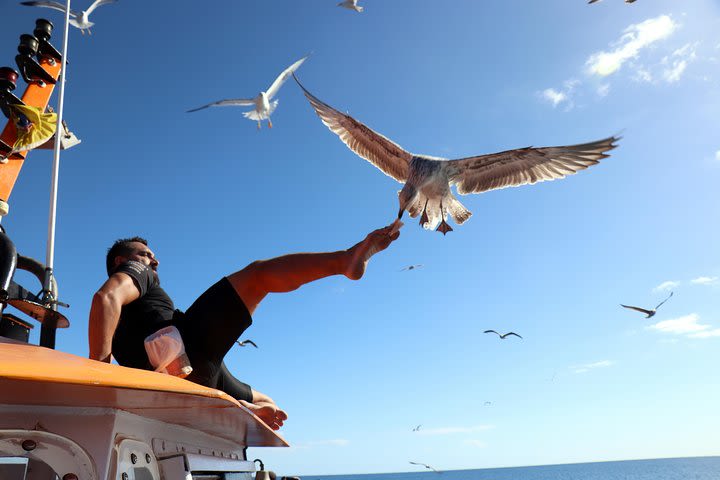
[
  {"x": 79, "y": 19},
  {"x": 417, "y": 429},
  {"x": 264, "y": 107},
  {"x": 428, "y": 179},
  {"x": 429, "y": 467},
  {"x": 245, "y": 343},
  {"x": 649, "y": 313},
  {"x": 501, "y": 335},
  {"x": 411, "y": 267},
  {"x": 351, "y": 5}
]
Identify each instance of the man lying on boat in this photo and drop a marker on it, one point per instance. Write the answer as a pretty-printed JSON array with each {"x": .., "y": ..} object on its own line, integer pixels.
[{"x": 131, "y": 305}]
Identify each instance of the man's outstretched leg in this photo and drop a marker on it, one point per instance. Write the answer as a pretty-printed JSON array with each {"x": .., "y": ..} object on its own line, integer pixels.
[{"x": 289, "y": 272}]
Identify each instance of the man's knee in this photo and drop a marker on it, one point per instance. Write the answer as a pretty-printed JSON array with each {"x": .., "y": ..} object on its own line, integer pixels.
[{"x": 248, "y": 284}]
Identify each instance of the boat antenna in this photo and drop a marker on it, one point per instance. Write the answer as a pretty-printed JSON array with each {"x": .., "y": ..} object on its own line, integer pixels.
[{"x": 50, "y": 254}]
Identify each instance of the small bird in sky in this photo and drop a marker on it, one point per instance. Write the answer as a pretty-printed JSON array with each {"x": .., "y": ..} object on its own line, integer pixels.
[
  {"x": 502, "y": 335},
  {"x": 429, "y": 467},
  {"x": 245, "y": 343},
  {"x": 79, "y": 19},
  {"x": 417, "y": 428},
  {"x": 487, "y": 404},
  {"x": 351, "y": 5},
  {"x": 411, "y": 267},
  {"x": 649, "y": 313},
  {"x": 264, "y": 107},
  {"x": 428, "y": 179}
]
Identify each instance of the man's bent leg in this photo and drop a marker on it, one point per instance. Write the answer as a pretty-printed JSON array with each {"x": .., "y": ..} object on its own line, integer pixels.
[{"x": 289, "y": 272}]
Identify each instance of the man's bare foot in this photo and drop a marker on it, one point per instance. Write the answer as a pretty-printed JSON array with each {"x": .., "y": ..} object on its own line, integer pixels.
[
  {"x": 267, "y": 412},
  {"x": 375, "y": 242}
]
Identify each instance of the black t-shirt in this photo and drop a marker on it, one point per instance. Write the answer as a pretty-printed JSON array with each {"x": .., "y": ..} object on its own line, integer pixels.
[{"x": 152, "y": 311}]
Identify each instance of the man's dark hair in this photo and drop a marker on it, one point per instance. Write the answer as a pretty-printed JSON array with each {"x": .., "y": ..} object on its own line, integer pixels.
[{"x": 121, "y": 248}]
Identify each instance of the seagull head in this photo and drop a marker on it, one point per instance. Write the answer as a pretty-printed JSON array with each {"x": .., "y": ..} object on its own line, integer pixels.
[{"x": 406, "y": 196}]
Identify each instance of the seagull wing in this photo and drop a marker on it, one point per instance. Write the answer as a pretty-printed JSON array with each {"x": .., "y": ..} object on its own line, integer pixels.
[
  {"x": 282, "y": 78},
  {"x": 231, "y": 102},
  {"x": 48, "y": 4},
  {"x": 513, "y": 333},
  {"x": 250, "y": 342},
  {"x": 525, "y": 165},
  {"x": 96, "y": 4},
  {"x": 637, "y": 309},
  {"x": 382, "y": 152},
  {"x": 426, "y": 466},
  {"x": 492, "y": 331},
  {"x": 668, "y": 298}
]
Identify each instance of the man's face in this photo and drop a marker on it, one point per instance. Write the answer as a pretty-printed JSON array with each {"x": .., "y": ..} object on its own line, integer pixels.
[{"x": 141, "y": 253}]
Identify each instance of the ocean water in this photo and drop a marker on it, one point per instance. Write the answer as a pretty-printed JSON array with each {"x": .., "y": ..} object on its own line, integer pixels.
[{"x": 697, "y": 468}]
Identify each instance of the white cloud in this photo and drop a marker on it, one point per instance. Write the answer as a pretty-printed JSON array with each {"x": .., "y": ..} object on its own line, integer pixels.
[
  {"x": 706, "y": 334},
  {"x": 680, "y": 326},
  {"x": 635, "y": 38},
  {"x": 666, "y": 286},
  {"x": 553, "y": 96},
  {"x": 603, "y": 90},
  {"x": 704, "y": 280},
  {"x": 590, "y": 366},
  {"x": 337, "y": 442},
  {"x": 673, "y": 74},
  {"x": 678, "y": 62},
  {"x": 717, "y": 155},
  {"x": 453, "y": 430},
  {"x": 557, "y": 97},
  {"x": 642, "y": 75}
]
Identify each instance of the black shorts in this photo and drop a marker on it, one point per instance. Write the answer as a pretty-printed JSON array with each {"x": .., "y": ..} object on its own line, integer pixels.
[{"x": 209, "y": 329}]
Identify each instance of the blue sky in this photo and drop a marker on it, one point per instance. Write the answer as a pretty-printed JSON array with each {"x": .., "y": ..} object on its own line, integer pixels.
[{"x": 357, "y": 365}]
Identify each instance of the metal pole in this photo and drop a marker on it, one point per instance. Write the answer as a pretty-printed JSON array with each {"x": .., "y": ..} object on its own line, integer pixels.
[{"x": 50, "y": 256}]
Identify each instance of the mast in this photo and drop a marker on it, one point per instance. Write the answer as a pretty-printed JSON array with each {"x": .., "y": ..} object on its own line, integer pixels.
[{"x": 47, "y": 335}]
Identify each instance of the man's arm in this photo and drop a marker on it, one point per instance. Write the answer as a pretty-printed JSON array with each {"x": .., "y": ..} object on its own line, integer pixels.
[{"x": 107, "y": 302}]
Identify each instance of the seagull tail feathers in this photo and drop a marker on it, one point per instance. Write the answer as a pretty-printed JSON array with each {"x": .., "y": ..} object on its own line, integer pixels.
[
  {"x": 456, "y": 210},
  {"x": 255, "y": 115}
]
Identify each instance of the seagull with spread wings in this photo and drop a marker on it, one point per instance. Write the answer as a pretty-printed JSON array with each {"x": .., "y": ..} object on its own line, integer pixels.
[
  {"x": 502, "y": 335},
  {"x": 428, "y": 179},
  {"x": 411, "y": 267},
  {"x": 245, "y": 343},
  {"x": 429, "y": 467},
  {"x": 351, "y": 5},
  {"x": 263, "y": 102},
  {"x": 648, "y": 313},
  {"x": 79, "y": 19}
]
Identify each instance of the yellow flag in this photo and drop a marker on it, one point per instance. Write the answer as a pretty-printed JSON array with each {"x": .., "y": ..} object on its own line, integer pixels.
[{"x": 34, "y": 127}]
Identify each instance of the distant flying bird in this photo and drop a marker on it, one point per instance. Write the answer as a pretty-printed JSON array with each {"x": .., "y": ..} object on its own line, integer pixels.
[
  {"x": 428, "y": 179},
  {"x": 411, "y": 267},
  {"x": 502, "y": 336},
  {"x": 487, "y": 404},
  {"x": 79, "y": 19},
  {"x": 351, "y": 5},
  {"x": 245, "y": 343},
  {"x": 649, "y": 313},
  {"x": 429, "y": 467},
  {"x": 416, "y": 429},
  {"x": 264, "y": 107}
]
